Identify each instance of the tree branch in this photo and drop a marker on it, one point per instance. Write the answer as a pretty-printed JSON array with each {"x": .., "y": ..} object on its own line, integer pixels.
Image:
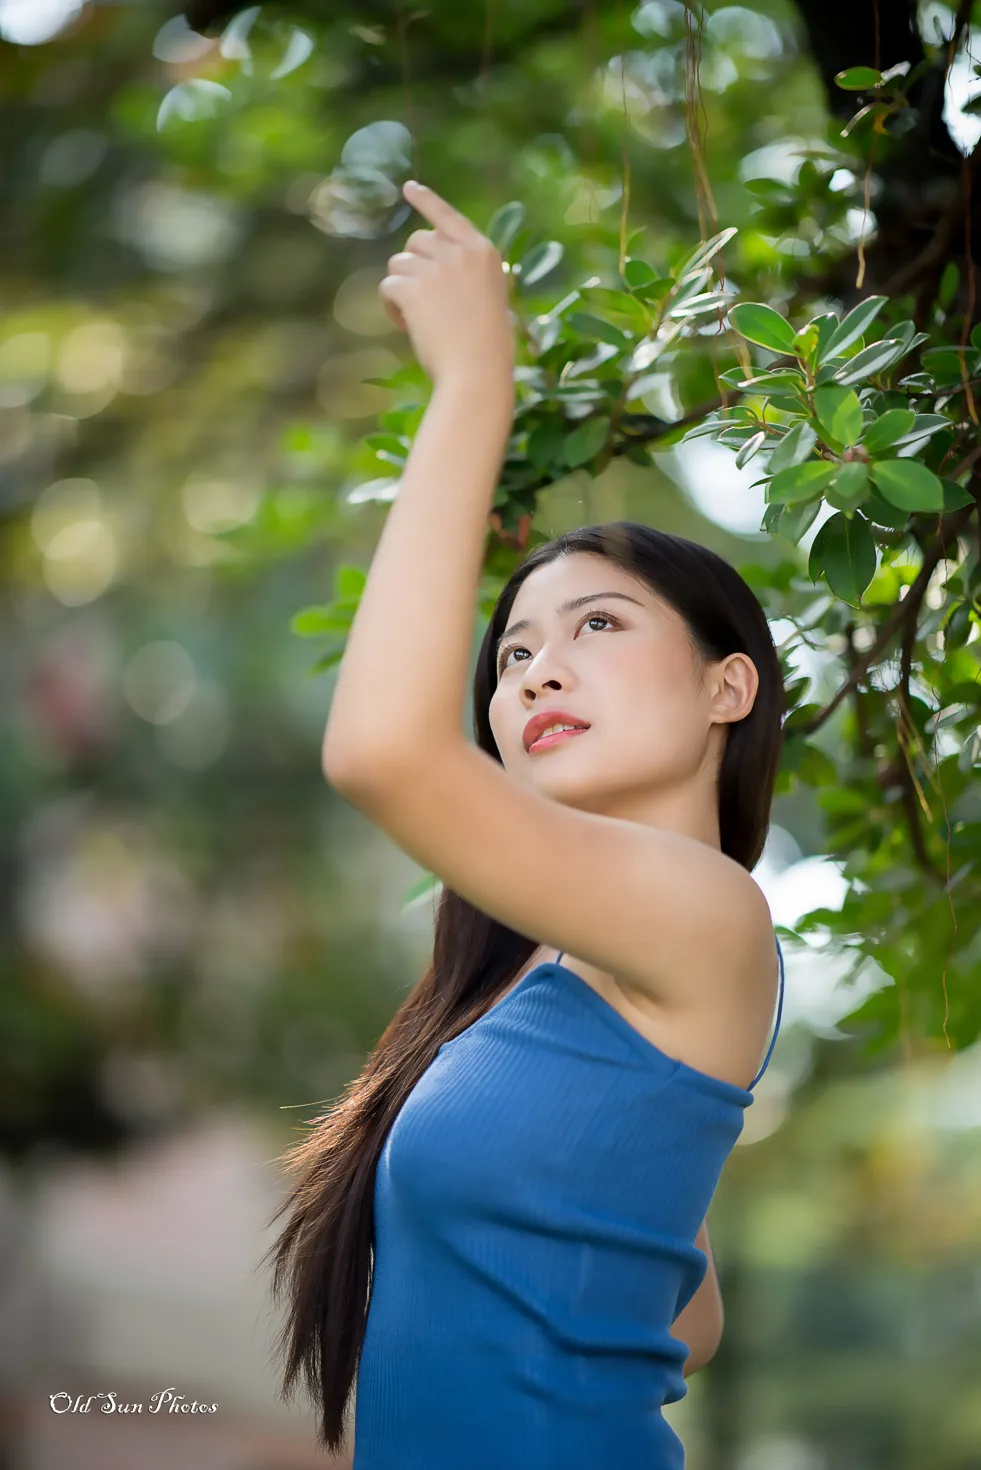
[
  {"x": 937, "y": 251},
  {"x": 950, "y": 528}
]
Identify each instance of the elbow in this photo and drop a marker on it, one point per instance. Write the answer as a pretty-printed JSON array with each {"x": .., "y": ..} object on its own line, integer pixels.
[
  {"x": 365, "y": 771},
  {"x": 378, "y": 766},
  {"x": 336, "y": 767},
  {"x": 697, "y": 1361},
  {"x": 702, "y": 1353},
  {"x": 344, "y": 761}
]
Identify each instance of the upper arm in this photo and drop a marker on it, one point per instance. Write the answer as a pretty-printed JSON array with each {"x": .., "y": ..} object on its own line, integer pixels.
[{"x": 649, "y": 906}]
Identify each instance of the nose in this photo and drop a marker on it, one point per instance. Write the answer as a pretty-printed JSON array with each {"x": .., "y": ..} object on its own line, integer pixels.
[{"x": 541, "y": 676}]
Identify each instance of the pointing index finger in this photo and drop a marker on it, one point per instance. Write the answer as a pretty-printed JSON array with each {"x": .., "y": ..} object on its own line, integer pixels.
[{"x": 438, "y": 211}]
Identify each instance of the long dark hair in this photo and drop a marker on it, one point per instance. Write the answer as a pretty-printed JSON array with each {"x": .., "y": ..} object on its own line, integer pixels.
[{"x": 323, "y": 1257}]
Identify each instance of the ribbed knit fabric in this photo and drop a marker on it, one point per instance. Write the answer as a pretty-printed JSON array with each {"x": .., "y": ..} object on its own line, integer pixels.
[{"x": 536, "y": 1205}]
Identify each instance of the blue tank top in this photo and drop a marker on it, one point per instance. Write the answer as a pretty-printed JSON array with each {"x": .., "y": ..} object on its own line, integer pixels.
[{"x": 536, "y": 1204}]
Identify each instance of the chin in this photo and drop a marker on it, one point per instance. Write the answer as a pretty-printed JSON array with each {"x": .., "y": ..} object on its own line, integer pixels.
[{"x": 582, "y": 788}]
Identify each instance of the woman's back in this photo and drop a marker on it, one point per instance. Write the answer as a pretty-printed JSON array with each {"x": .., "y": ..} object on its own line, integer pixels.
[{"x": 536, "y": 1205}]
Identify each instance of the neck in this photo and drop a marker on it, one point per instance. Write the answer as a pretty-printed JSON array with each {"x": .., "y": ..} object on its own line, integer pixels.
[{"x": 691, "y": 810}]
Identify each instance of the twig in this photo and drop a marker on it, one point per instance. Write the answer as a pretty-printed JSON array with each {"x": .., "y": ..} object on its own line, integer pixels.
[{"x": 911, "y": 793}]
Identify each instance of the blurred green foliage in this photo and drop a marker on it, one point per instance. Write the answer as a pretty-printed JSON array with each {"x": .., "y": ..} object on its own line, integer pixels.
[
  {"x": 204, "y": 413},
  {"x": 203, "y": 416}
]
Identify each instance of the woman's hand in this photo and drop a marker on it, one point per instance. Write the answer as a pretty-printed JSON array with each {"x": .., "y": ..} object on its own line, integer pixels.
[{"x": 448, "y": 289}]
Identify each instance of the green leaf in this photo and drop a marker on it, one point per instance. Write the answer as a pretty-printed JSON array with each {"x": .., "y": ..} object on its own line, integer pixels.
[
  {"x": 394, "y": 443},
  {"x": 870, "y": 360},
  {"x": 656, "y": 290},
  {"x": 769, "y": 189},
  {"x": 871, "y": 109},
  {"x": 882, "y": 513},
  {"x": 908, "y": 484},
  {"x": 794, "y": 447},
  {"x": 386, "y": 487},
  {"x": 545, "y": 443},
  {"x": 800, "y": 482},
  {"x": 809, "y": 762},
  {"x": 594, "y": 326},
  {"x": 839, "y": 413},
  {"x": 584, "y": 443},
  {"x": 693, "y": 285},
  {"x": 614, "y": 304},
  {"x": 924, "y": 425},
  {"x": 888, "y": 429},
  {"x": 637, "y": 274},
  {"x": 795, "y": 520},
  {"x": 706, "y": 301},
  {"x": 761, "y": 324},
  {"x": 314, "y": 622},
  {"x": 578, "y": 367},
  {"x": 505, "y": 224},
  {"x": 426, "y": 887},
  {"x": 349, "y": 581},
  {"x": 955, "y": 496},
  {"x": 949, "y": 282},
  {"x": 844, "y": 552},
  {"x": 779, "y": 381},
  {"x": 802, "y": 715},
  {"x": 849, "y": 486},
  {"x": 859, "y": 79},
  {"x": 944, "y": 365},
  {"x": 827, "y": 325},
  {"x": 704, "y": 253},
  {"x": 806, "y": 342},
  {"x": 539, "y": 262},
  {"x": 852, "y": 327},
  {"x": 751, "y": 447}
]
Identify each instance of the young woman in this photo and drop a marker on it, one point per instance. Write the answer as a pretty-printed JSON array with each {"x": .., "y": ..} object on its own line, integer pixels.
[{"x": 498, "y": 1235}]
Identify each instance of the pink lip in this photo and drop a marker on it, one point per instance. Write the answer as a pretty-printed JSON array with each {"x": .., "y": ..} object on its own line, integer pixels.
[
  {"x": 545, "y": 741},
  {"x": 541, "y": 721}
]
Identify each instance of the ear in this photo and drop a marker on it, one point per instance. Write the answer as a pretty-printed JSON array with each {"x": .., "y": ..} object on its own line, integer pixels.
[{"x": 736, "y": 683}]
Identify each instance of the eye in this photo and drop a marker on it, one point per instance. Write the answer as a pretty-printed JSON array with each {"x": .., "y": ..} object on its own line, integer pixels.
[{"x": 509, "y": 648}]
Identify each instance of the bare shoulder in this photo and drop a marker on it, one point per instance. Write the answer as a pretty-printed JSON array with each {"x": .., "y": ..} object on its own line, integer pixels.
[
  {"x": 722, "y": 1011},
  {"x": 670, "y": 916}
]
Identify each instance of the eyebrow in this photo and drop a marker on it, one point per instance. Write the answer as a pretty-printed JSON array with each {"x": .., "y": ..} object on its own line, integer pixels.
[{"x": 565, "y": 607}]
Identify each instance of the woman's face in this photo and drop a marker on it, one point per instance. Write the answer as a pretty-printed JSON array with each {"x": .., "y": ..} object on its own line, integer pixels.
[{"x": 621, "y": 663}]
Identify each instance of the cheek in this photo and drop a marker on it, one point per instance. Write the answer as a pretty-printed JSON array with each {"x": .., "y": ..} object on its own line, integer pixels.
[
  {"x": 637, "y": 676},
  {"x": 643, "y": 690},
  {"x": 496, "y": 722}
]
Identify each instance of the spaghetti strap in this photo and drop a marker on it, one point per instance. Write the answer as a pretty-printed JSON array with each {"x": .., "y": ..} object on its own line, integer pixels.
[
  {"x": 558, "y": 956},
  {"x": 776, "y": 1027}
]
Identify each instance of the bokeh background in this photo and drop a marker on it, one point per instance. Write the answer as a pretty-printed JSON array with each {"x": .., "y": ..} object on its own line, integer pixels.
[{"x": 200, "y": 940}]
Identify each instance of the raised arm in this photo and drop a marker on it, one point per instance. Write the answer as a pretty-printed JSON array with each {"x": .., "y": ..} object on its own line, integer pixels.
[{"x": 628, "y": 898}]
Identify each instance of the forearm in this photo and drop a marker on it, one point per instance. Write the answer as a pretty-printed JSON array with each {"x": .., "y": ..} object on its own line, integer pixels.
[
  {"x": 700, "y": 1325},
  {"x": 402, "y": 678}
]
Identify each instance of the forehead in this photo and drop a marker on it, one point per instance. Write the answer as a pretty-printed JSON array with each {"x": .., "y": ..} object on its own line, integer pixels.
[{"x": 575, "y": 575}]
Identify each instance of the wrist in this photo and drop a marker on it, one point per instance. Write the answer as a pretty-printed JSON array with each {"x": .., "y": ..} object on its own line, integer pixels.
[{"x": 477, "y": 383}]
